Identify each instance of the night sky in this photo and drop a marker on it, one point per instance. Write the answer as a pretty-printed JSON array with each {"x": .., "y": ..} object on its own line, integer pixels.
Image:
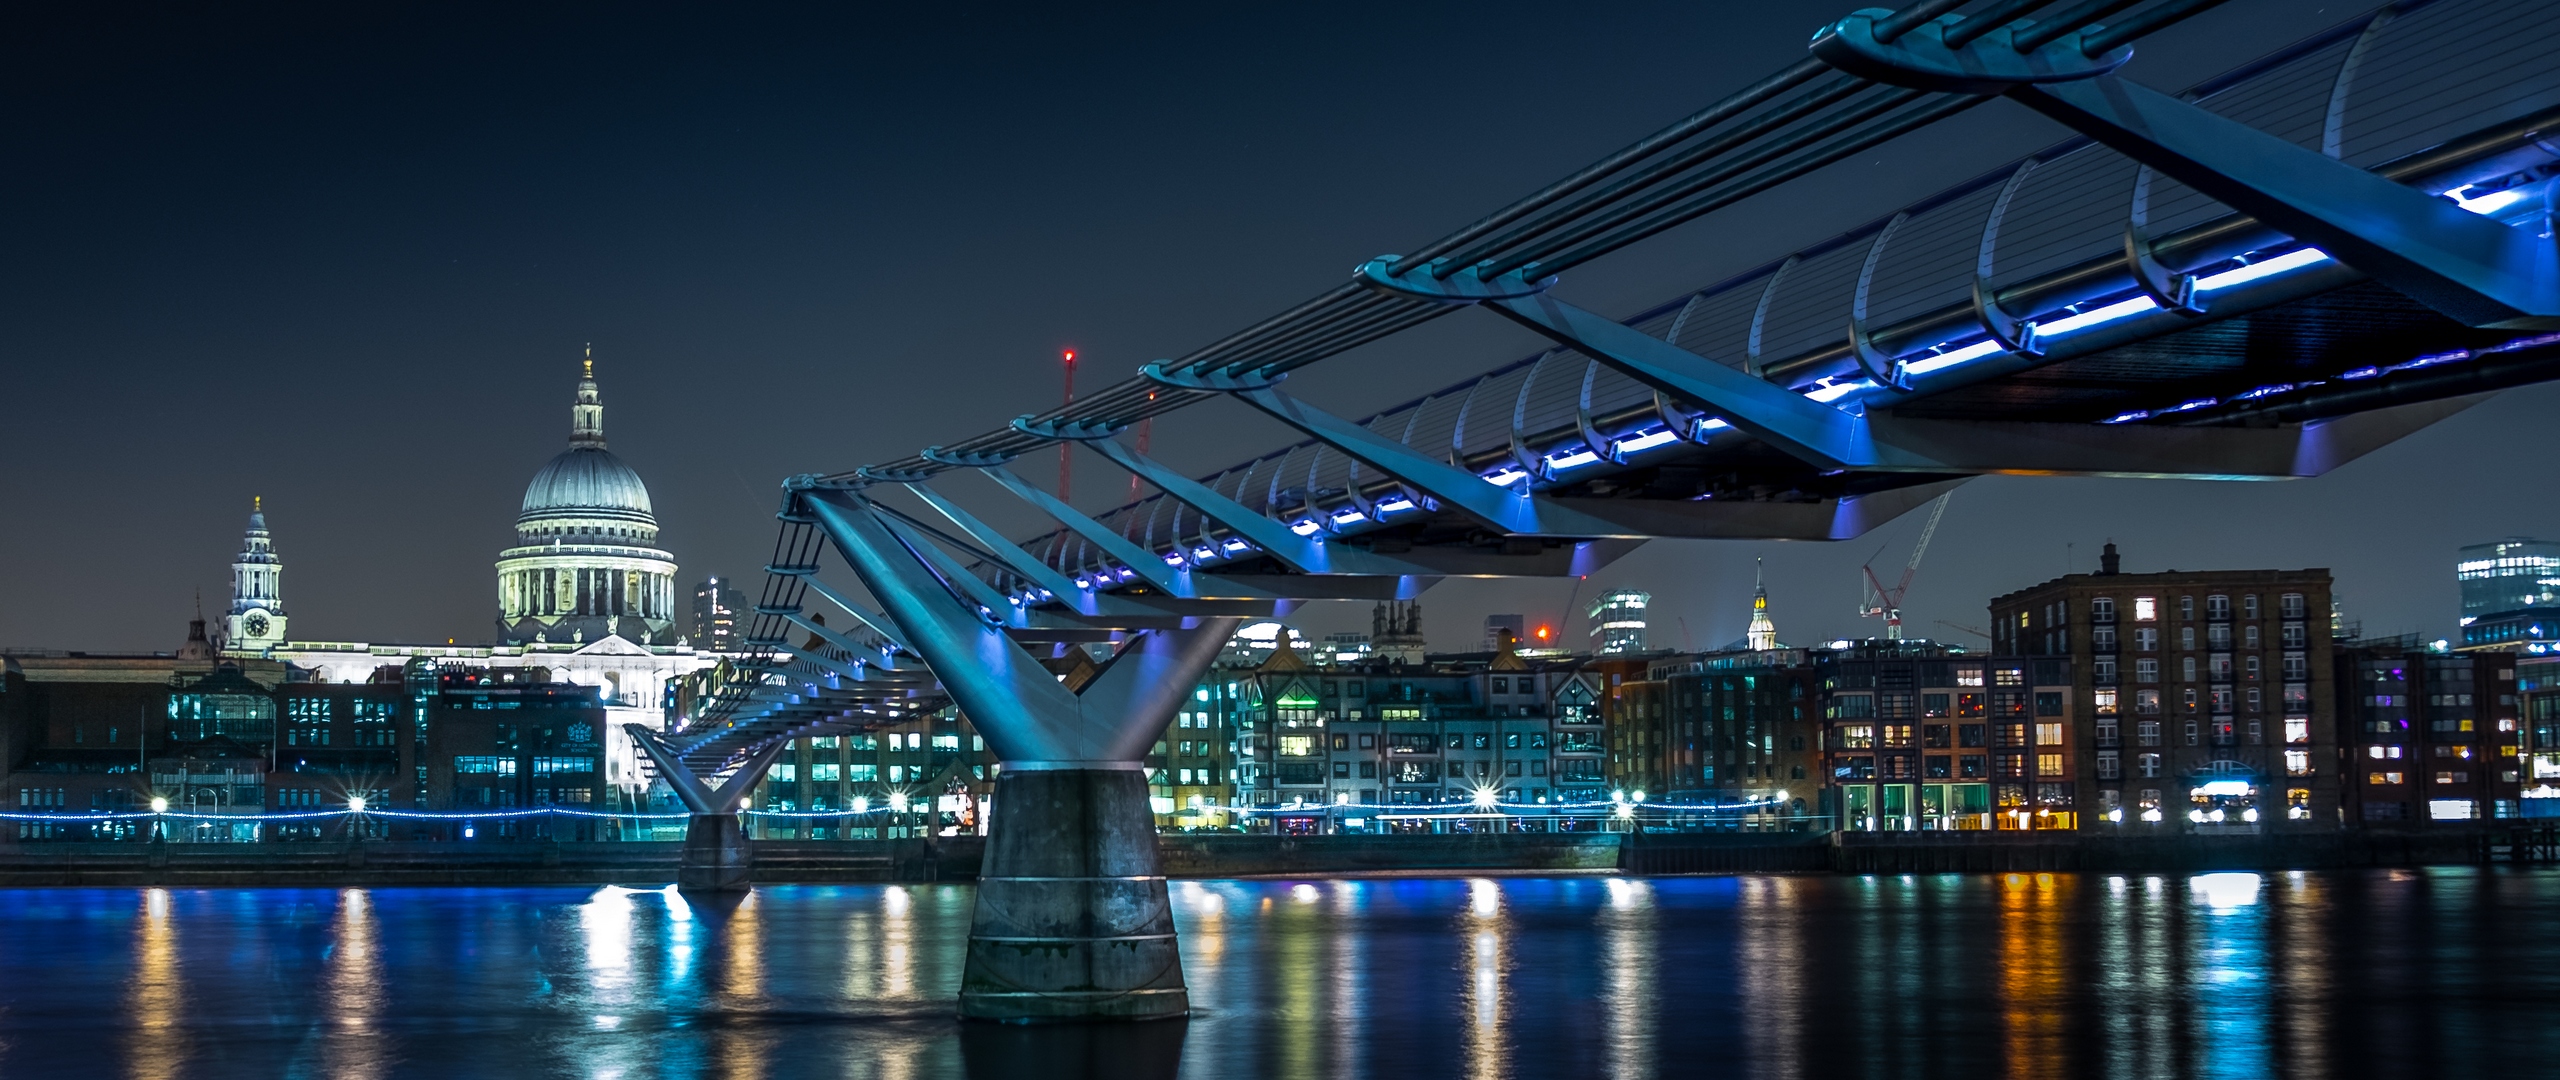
[{"x": 346, "y": 258}]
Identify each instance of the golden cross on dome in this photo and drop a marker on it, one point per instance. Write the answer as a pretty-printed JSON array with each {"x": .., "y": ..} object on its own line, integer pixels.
[{"x": 591, "y": 359}]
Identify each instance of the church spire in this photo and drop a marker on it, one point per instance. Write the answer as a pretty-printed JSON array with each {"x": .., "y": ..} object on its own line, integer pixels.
[
  {"x": 1763, "y": 633},
  {"x": 586, "y": 418}
]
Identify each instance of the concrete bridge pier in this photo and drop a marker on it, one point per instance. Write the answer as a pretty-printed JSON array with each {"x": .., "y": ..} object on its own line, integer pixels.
[
  {"x": 1073, "y": 922},
  {"x": 717, "y": 856}
]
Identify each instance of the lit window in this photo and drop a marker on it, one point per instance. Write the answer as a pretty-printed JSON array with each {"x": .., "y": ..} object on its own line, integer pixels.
[{"x": 2146, "y": 608}]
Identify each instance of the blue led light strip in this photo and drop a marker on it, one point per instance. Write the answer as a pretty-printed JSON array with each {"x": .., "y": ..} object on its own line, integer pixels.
[{"x": 427, "y": 815}]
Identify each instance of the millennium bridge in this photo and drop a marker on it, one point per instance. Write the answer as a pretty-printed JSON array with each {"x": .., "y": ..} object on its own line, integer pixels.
[{"x": 2261, "y": 276}]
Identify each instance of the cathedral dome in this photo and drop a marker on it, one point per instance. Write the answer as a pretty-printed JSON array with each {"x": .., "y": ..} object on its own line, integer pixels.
[
  {"x": 586, "y": 482},
  {"x": 586, "y": 565}
]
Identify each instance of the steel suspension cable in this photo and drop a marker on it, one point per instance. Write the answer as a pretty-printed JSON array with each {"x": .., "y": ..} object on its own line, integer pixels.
[
  {"x": 1836, "y": 91},
  {"x": 1784, "y": 171}
]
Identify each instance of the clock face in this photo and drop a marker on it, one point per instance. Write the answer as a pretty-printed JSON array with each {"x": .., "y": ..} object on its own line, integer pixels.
[{"x": 255, "y": 624}]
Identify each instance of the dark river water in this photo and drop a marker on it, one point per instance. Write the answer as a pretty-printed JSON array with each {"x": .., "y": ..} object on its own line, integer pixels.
[{"x": 2439, "y": 974}]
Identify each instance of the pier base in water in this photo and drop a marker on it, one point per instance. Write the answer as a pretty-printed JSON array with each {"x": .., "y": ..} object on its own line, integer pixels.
[
  {"x": 717, "y": 857},
  {"x": 1073, "y": 922}
]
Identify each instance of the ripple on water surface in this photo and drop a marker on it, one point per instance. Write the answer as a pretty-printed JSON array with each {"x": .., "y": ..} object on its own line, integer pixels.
[{"x": 2445, "y": 973}]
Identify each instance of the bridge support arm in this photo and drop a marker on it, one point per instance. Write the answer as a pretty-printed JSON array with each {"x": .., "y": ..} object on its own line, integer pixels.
[
  {"x": 1149, "y": 566},
  {"x": 1805, "y": 429},
  {"x": 1306, "y": 554},
  {"x": 717, "y": 856},
  {"x": 1073, "y": 921},
  {"x": 1014, "y": 558},
  {"x": 2469, "y": 267},
  {"x": 871, "y": 620}
]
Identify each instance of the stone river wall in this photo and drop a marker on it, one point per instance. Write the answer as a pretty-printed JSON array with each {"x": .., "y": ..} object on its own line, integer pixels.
[{"x": 325, "y": 864}]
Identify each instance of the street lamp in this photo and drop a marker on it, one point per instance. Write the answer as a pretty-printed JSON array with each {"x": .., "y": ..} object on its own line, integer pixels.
[
  {"x": 355, "y": 804},
  {"x": 159, "y": 804}
]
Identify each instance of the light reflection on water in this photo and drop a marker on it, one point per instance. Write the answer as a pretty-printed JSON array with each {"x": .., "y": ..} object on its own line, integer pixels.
[{"x": 2447, "y": 973}]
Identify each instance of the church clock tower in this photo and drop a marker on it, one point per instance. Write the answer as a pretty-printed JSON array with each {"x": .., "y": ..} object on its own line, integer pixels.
[{"x": 256, "y": 622}]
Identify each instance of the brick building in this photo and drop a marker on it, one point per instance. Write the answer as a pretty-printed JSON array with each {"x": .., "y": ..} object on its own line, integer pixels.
[
  {"x": 2427, "y": 736},
  {"x": 2206, "y": 699}
]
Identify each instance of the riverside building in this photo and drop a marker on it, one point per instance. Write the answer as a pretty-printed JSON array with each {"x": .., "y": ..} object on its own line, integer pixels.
[
  {"x": 1922, "y": 736},
  {"x": 2429, "y": 736},
  {"x": 1385, "y": 745},
  {"x": 1738, "y": 733},
  {"x": 226, "y": 739},
  {"x": 2205, "y": 700},
  {"x": 2510, "y": 595}
]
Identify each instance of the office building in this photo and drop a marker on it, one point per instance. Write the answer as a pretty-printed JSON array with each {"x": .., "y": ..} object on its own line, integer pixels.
[
  {"x": 1617, "y": 621},
  {"x": 2508, "y": 575},
  {"x": 717, "y": 605}
]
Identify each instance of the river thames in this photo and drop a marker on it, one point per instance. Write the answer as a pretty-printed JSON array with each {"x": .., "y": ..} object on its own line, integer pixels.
[{"x": 2438, "y": 973}]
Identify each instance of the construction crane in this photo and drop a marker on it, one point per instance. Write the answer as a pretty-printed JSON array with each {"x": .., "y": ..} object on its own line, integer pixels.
[{"x": 1881, "y": 601}]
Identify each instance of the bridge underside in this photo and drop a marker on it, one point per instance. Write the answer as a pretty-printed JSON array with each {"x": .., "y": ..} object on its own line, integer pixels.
[{"x": 2262, "y": 278}]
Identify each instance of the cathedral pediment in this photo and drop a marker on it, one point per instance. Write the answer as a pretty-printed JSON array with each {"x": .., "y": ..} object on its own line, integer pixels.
[{"x": 612, "y": 645}]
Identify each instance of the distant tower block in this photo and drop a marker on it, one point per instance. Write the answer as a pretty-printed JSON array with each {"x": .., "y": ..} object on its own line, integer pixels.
[
  {"x": 1499, "y": 627},
  {"x": 1617, "y": 622},
  {"x": 1763, "y": 633},
  {"x": 256, "y": 621}
]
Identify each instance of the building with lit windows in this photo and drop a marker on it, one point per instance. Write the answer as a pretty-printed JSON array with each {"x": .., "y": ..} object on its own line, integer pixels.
[
  {"x": 714, "y": 625},
  {"x": 2538, "y": 717},
  {"x": 1383, "y": 745},
  {"x": 226, "y": 740},
  {"x": 1921, "y": 736},
  {"x": 1737, "y": 731},
  {"x": 1617, "y": 622},
  {"x": 2430, "y": 737},
  {"x": 2508, "y": 575},
  {"x": 497, "y": 739},
  {"x": 2204, "y": 701},
  {"x": 929, "y": 774},
  {"x": 2510, "y": 596}
]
